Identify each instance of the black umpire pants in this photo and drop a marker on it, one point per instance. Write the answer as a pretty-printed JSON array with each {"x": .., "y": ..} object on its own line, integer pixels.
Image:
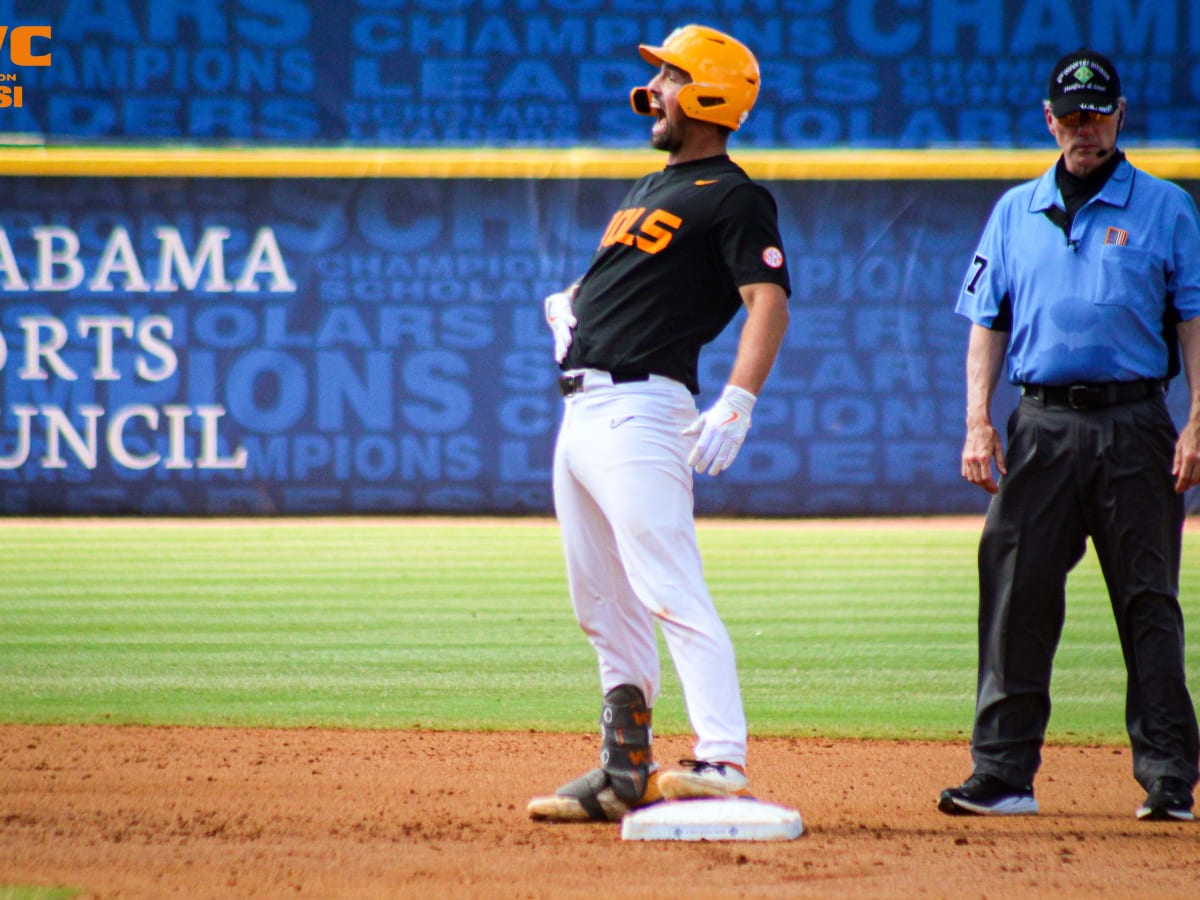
[{"x": 1104, "y": 474}]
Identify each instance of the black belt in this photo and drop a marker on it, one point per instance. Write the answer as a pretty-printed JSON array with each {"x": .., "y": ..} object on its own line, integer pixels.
[
  {"x": 1094, "y": 396},
  {"x": 569, "y": 385}
]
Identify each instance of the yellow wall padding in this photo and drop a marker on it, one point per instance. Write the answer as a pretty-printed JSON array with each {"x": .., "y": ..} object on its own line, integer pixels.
[{"x": 359, "y": 162}]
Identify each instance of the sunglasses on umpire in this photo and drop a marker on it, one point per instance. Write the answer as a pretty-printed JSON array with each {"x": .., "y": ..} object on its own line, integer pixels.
[{"x": 1082, "y": 117}]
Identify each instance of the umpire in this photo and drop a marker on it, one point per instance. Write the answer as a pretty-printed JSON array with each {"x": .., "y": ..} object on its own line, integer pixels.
[{"x": 1087, "y": 282}]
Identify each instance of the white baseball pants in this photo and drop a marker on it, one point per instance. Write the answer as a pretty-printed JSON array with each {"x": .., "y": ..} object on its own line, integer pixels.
[{"x": 623, "y": 497}]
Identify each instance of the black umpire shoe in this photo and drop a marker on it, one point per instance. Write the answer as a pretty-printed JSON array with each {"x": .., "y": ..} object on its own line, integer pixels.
[
  {"x": 1169, "y": 798},
  {"x": 987, "y": 795}
]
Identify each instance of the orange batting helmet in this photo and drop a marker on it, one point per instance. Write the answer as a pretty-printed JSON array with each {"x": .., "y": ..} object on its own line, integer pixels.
[{"x": 724, "y": 75}]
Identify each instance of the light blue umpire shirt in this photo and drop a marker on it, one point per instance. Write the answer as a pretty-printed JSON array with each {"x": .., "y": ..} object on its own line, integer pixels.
[{"x": 1089, "y": 308}]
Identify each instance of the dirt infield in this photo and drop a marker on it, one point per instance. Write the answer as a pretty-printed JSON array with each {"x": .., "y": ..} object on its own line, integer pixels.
[{"x": 156, "y": 812}]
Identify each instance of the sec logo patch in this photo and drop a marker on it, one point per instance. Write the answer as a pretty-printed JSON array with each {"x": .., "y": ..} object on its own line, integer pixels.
[{"x": 773, "y": 257}]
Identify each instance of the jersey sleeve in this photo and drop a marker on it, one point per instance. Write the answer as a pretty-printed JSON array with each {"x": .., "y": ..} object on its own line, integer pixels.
[
  {"x": 1183, "y": 279},
  {"x": 747, "y": 230},
  {"x": 983, "y": 297}
]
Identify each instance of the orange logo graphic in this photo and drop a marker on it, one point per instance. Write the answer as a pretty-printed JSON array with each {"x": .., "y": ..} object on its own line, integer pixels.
[
  {"x": 21, "y": 53},
  {"x": 653, "y": 231},
  {"x": 20, "y": 44}
]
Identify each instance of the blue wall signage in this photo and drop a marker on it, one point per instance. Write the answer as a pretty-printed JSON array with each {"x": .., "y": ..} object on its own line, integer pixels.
[
  {"x": 207, "y": 346},
  {"x": 865, "y": 73}
]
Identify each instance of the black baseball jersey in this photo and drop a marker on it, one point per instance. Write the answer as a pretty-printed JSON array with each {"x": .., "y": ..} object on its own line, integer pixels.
[{"x": 665, "y": 278}]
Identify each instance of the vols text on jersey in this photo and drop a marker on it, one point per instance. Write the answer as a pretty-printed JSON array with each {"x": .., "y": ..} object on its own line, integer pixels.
[{"x": 635, "y": 227}]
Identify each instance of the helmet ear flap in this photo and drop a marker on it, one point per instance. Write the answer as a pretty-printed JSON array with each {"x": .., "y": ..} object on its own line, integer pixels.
[
  {"x": 699, "y": 102},
  {"x": 639, "y": 99}
]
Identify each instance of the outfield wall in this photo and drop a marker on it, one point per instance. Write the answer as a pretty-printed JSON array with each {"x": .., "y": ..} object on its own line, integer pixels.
[
  {"x": 195, "y": 335},
  {"x": 287, "y": 256}
]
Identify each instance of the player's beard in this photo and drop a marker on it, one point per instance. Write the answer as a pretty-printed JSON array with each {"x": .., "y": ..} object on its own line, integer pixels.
[{"x": 667, "y": 135}]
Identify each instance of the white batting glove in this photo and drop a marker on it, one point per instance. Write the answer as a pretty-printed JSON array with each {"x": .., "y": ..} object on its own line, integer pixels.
[
  {"x": 561, "y": 318},
  {"x": 721, "y": 430}
]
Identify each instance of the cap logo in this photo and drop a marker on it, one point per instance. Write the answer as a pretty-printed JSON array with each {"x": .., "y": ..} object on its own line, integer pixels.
[{"x": 1084, "y": 80}]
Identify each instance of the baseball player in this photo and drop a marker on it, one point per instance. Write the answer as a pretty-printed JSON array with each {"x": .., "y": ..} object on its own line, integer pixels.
[
  {"x": 688, "y": 247},
  {"x": 1087, "y": 280}
]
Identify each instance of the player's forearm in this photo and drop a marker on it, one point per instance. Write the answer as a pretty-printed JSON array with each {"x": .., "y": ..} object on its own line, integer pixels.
[{"x": 762, "y": 336}]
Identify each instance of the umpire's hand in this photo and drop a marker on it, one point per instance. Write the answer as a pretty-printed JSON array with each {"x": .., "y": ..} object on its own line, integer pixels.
[
  {"x": 1186, "y": 468},
  {"x": 982, "y": 447}
]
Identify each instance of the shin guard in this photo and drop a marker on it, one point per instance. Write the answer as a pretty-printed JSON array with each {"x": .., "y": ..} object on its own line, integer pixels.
[{"x": 625, "y": 753}]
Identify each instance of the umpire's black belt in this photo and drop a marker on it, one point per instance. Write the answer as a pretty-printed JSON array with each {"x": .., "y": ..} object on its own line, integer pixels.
[
  {"x": 1094, "y": 395},
  {"x": 569, "y": 385}
]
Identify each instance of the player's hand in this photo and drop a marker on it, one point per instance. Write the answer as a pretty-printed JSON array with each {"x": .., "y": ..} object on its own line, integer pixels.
[
  {"x": 721, "y": 430},
  {"x": 561, "y": 318}
]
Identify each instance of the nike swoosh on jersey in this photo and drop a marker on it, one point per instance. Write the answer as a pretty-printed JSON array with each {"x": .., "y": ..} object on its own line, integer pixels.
[
  {"x": 700, "y": 182},
  {"x": 617, "y": 423}
]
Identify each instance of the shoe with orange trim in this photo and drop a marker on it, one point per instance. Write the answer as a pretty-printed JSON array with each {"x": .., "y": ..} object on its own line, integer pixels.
[{"x": 699, "y": 779}]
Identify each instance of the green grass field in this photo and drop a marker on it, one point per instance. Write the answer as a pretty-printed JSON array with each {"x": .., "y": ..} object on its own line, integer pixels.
[{"x": 466, "y": 625}]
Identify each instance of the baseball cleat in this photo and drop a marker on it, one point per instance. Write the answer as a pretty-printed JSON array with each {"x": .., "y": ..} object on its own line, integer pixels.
[
  {"x": 699, "y": 779},
  {"x": 987, "y": 795},
  {"x": 1169, "y": 798},
  {"x": 590, "y": 798}
]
